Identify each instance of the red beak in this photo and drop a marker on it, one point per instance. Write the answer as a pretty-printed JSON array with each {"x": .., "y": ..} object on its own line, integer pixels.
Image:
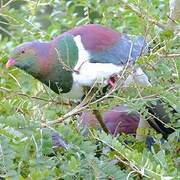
[{"x": 10, "y": 62}]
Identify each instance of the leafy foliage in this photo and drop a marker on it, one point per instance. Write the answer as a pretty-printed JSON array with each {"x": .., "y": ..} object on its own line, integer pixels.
[{"x": 26, "y": 146}]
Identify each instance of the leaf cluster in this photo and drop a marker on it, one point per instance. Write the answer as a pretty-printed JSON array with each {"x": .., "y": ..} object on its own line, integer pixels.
[{"x": 26, "y": 147}]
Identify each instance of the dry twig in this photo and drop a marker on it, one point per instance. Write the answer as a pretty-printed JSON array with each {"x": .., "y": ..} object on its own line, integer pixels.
[{"x": 143, "y": 15}]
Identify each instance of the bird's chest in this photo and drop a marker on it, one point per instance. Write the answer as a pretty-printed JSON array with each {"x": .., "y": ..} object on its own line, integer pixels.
[{"x": 91, "y": 74}]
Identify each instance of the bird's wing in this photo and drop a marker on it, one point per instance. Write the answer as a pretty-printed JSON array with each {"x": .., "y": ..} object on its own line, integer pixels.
[
  {"x": 160, "y": 117},
  {"x": 108, "y": 46},
  {"x": 127, "y": 49}
]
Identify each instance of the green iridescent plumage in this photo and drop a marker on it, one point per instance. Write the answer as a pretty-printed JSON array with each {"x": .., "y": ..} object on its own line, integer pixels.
[{"x": 52, "y": 63}]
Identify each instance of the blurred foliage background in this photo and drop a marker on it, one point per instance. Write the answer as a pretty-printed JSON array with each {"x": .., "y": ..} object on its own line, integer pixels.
[{"x": 26, "y": 146}]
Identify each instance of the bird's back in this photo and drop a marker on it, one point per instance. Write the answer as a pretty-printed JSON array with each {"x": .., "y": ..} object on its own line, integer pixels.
[{"x": 108, "y": 46}]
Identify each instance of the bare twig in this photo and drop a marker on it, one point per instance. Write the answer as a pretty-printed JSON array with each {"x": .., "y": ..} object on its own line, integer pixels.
[
  {"x": 100, "y": 120},
  {"x": 143, "y": 14},
  {"x": 169, "y": 55},
  {"x": 5, "y": 5},
  {"x": 40, "y": 3},
  {"x": 132, "y": 166},
  {"x": 86, "y": 103},
  {"x": 7, "y": 32},
  {"x": 2, "y": 89},
  {"x": 174, "y": 14}
]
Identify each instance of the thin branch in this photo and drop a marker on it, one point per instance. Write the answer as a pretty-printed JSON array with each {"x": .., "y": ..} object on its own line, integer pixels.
[
  {"x": 169, "y": 55},
  {"x": 7, "y": 32},
  {"x": 4, "y": 5},
  {"x": 143, "y": 15},
  {"x": 84, "y": 105},
  {"x": 132, "y": 166},
  {"x": 174, "y": 14},
  {"x": 39, "y": 3},
  {"x": 100, "y": 120},
  {"x": 175, "y": 22},
  {"x": 5, "y": 90}
]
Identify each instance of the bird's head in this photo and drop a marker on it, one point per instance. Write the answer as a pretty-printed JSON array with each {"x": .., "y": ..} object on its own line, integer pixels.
[
  {"x": 40, "y": 59},
  {"x": 30, "y": 57}
]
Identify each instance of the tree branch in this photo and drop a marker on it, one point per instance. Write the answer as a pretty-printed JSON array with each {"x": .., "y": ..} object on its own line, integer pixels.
[
  {"x": 5, "y": 90},
  {"x": 169, "y": 55},
  {"x": 100, "y": 120},
  {"x": 143, "y": 15},
  {"x": 174, "y": 14}
]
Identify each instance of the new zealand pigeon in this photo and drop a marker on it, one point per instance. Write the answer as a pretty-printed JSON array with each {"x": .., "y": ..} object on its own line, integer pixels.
[
  {"x": 80, "y": 57},
  {"x": 118, "y": 120},
  {"x": 121, "y": 119}
]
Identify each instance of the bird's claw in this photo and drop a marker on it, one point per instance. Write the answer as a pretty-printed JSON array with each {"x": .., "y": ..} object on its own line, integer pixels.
[{"x": 112, "y": 81}]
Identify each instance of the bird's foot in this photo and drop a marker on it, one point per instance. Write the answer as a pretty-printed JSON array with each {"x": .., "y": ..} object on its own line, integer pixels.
[{"x": 112, "y": 81}]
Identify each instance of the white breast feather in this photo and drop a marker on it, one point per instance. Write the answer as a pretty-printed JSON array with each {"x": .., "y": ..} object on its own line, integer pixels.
[{"x": 89, "y": 73}]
